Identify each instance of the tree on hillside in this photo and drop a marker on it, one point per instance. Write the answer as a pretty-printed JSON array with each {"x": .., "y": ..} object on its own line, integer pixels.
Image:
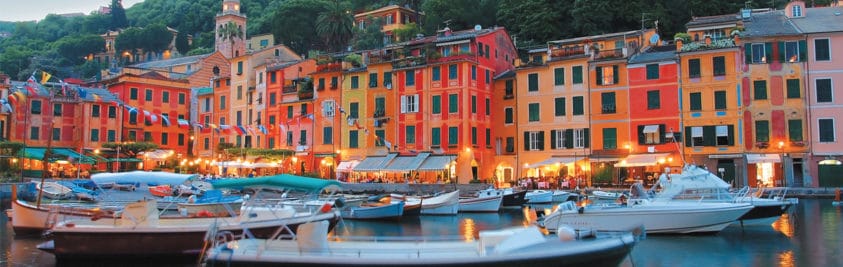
[
  {"x": 118, "y": 15},
  {"x": 156, "y": 38},
  {"x": 231, "y": 32},
  {"x": 334, "y": 26},
  {"x": 371, "y": 37},
  {"x": 458, "y": 15},
  {"x": 548, "y": 20},
  {"x": 293, "y": 24},
  {"x": 182, "y": 44},
  {"x": 75, "y": 47}
]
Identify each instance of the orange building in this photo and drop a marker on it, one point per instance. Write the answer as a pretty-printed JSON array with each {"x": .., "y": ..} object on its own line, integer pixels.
[
  {"x": 392, "y": 17},
  {"x": 328, "y": 119}
]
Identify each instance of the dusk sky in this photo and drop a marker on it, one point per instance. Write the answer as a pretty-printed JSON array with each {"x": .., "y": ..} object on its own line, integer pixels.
[{"x": 17, "y": 10}]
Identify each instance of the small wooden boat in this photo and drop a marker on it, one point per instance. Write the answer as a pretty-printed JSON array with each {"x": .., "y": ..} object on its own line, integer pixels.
[
  {"x": 517, "y": 246},
  {"x": 126, "y": 186},
  {"x": 54, "y": 190},
  {"x": 212, "y": 204},
  {"x": 412, "y": 205},
  {"x": 374, "y": 211},
  {"x": 163, "y": 190},
  {"x": 605, "y": 195},
  {"x": 443, "y": 204},
  {"x": 481, "y": 204},
  {"x": 539, "y": 196},
  {"x": 562, "y": 196},
  {"x": 510, "y": 196}
]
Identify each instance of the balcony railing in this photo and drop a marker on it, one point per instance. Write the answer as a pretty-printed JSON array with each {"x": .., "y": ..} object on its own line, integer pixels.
[
  {"x": 306, "y": 95},
  {"x": 334, "y": 66},
  {"x": 452, "y": 58},
  {"x": 379, "y": 113},
  {"x": 701, "y": 45},
  {"x": 409, "y": 62},
  {"x": 568, "y": 51},
  {"x": 609, "y": 54},
  {"x": 289, "y": 89}
]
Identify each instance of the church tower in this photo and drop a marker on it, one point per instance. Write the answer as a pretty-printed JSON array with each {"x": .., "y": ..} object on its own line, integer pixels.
[{"x": 230, "y": 29}]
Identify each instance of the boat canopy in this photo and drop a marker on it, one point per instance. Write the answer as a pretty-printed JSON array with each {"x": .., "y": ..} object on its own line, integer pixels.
[
  {"x": 282, "y": 180},
  {"x": 142, "y": 177}
]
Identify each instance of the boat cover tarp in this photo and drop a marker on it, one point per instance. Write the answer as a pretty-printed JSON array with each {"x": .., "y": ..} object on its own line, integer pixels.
[
  {"x": 37, "y": 153},
  {"x": 143, "y": 177},
  {"x": 288, "y": 181}
]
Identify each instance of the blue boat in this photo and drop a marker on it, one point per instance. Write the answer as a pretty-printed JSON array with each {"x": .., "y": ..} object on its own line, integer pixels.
[{"x": 375, "y": 211}]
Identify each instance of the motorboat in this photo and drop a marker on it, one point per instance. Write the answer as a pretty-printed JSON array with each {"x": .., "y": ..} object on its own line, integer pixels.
[
  {"x": 517, "y": 246},
  {"x": 163, "y": 190},
  {"x": 375, "y": 211},
  {"x": 140, "y": 231},
  {"x": 442, "y": 204},
  {"x": 211, "y": 204},
  {"x": 481, "y": 204},
  {"x": 563, "y": 196},
  {"x": 539, "y": 196},
  {"x": 606, "y": 195},
  {"x": 33, "y": 217},
  {"x": 698, "y": 184},
  {"x": 141, "y": 177},
  {"x": 54, "y": 190},
  {"x": 510, "y": 196},
  {"x": 658, "y": 217}
]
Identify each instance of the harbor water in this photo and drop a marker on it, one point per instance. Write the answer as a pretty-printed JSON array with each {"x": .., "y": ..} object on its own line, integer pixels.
[{"x": 810, "y": 235}]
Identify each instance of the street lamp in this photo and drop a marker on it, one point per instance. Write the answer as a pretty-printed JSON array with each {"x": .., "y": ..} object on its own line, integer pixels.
[{"x": 782, "y": 162}]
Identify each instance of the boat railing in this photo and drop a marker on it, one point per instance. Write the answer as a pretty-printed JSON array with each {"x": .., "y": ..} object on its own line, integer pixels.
[{"x": 417, "y": 239}]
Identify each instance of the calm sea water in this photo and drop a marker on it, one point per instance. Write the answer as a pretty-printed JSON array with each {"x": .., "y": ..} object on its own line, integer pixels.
[{"x": 811, "y": 235}]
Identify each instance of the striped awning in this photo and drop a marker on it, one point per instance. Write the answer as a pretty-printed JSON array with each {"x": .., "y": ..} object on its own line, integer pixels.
[
  {"x": 436, "y": 163},
  {"x": 374, "y": 163},
  {"x": 406, "y": 163},
  {"x": 640, "y": 160},
  {"x": 37, "y": 153},
  {"x": 551, "y": 161}
]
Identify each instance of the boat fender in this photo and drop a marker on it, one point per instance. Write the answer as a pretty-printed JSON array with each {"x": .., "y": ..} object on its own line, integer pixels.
[
  {"x": 339, "y": 203},
  {"x": 325, "y": 208},
  {"x": 581, "y": 210},
  {"x": 566, "y": 233}
]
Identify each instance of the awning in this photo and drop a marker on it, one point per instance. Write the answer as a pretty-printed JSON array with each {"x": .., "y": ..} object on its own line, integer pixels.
[
  {"x": 651, "y": 129},
  {"x": 406, "y": 163},
  {"x": 436, "y": 163},
  {"x": 762, "y": 158},
  {"x": 374, "y": 163},
  {"x": 347, "y": 166},
  {"x": 57, "y": 154},
  {"x": 551, "y": 161},
  {"x": 158, "y": 154},
  {"x": 604, "y": 159},
  {"x": 640, "y": 160}
]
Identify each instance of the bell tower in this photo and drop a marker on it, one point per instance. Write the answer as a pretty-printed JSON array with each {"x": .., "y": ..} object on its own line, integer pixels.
[{"x": 230, "y": 30}]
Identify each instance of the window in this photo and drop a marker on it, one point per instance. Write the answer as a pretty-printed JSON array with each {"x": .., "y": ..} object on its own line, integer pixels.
[
  {"x": 289, "y": 138},
  {"x": 760, "y": 90},
  {"x": 147, "y": 137},
  {"x": 696, "y": 136},
  {"x": 222, "y": 102},
  {"x": 33, "y": 133},
  {"x": 610, "y": 138},
  {"x": 473, "y": 72},
  {"x": 577, "y": 105},
  {"x": 758, "y": 54},
  {"x": 111, "y": 136},
  {"x": 57, "y": 134},
  {"x": 273, "y": 77},
  {"x": 533, "y": 82},
  {"x": 607, "y": 75},
  {"x": 653, "y": 99},
  {"x": 303, "y": 110},
  {"x": 373, "y": 80},
  {"x": 608, "y": 103},
  {"x": 303, "y": 137},
  {"x": 696, "y": 101},
  {"x": 508, "y": 89},
  {"x": 557, "y": 139},
  {"x": 355, "y": 82},
  {"x": 57, "y": 110},
  {"x": 409, "y": 103},
  {"x": 272, "y": 99},
  {"x": 488, "y": 137},
  {"x": 387, "y": 80},
  {"x": 290, "y": 112},
  {"x": 650, "y": 134},
  {"x": 436, "y": 104},
  {"x": 793, "y": 88},
  {"x": 474, "y": 136},
  {"x": 534, "y": 141},
  {"x": 133, "y": 93},
  {"x": 488, "y": 107},
  {"x": 453, "y": 136},
  {"x": 239, "y": 67},
  {"x": 133, "y": 136},
  {"x": 488, "y": 77},
  {"x": 762, "y": 131},
  {"x": 794, "y": 130},
  {"x": 474, "y": 104},
  {"x": 824, "y": 94},
  {"x": 793, "y": 51},
  {"x": 719, "y": 64},
  {"x": 797, "y": 11},
  {"x": 559, "y": 109},
  {"x": 453, "y": 103},
  {"x": 510, "y": 144},
  {"x": 452, "y": 72},
  {"x": 180, "y": 139},
  {"x": 559, "y": 76},
  {"x": 148, "y": 95},
  {"x": 720, "y": 100},
  {"x": 436, "y": 75},
  {"x": 410, "y": 131},
  {"x": 580, "y": 136},
  {"x": 694, "y": 68},
  {"x": 652, "y": 71},
  {"x": 328, "y": 108},
  {"x": 534, "y": 111},
  {"x": 353, "y": 139},
  {"x": 822, "y": 50},
  {"x": 36, "y": 107},
  {"x": 722, "y": 134},
  {"x": 409, "y": 78},
  {"x": 165, "y": 97},
  {"x": 435, "y": 136},
  {"x": 576, "y": 73},
  {"x": 239, "y": 92},
  {"x": 270, "y": 120},
  {"x": 112, "y": 112},
  {"x": 353, "y": 110},
  {"x": 826, "y": 130},
  {"x": 508, "y": 115}
]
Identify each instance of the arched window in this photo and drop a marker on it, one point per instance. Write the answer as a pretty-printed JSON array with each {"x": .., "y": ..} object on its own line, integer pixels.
[{"x": 216, "y": 71}]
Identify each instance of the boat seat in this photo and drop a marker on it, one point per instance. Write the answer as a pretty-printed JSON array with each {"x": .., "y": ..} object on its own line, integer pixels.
[
  {"x": 510, "y": 239},
  {"x": 312, "y": 237}
]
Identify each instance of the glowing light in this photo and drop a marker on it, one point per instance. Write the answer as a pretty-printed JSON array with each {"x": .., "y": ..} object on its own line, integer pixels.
[
  {"x": 468, "y": 229},
  {"x": 61, "y": 161}
]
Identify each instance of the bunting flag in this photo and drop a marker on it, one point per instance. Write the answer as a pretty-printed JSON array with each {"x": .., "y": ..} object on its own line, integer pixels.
[
  {"x": 184, "y": 124},
  {"x": 133, "y": 112},
  {"x": 150, "y": 117},
  {"x": 342, "y": 110},
  {"x": 263, "y": 129},
  {"x": 6, "y": 107},
  {"x": 31, "y": 85},
  {"x": 96, "y": 97},
  {"x": 198, "y": 125},
  {"x": 239, "y": 129},
  {"x": 225, "y": 129},
  {"x": 165, "y": 121},
  {"x": 45, "y": 77},
  {"x": 82, "y": 93},
  {"x": 251, "y": 130},
  {"x": 282, "y": 128},
  {"x": 388, "y": 144},
  {"x": 64, "y": 86},
  {"x": 17, "y": 97},
  {"x": 309, "y": 116},
  {"x": 213, "y": 126}
]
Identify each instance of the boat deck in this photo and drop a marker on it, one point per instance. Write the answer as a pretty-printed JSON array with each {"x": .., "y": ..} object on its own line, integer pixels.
[{"x": 362, "y": 249}]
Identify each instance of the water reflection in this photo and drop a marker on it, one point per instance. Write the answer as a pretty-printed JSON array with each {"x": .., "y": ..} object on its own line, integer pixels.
[{"x": 783, "y": 225}]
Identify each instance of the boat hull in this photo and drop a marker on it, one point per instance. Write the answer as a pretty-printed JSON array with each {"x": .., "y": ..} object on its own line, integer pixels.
[
  {"x": 765, "y": 213},
  {"x": 445, "y": 204},
  {"x": 539, "y": 196},
  {"x": 30, "y": 219},
  {"x": 489, "y": 204},
  {"x": 515, "y": 199},
  {"x": 659, "y": 219},
  {"x": 387, "y": 211}
]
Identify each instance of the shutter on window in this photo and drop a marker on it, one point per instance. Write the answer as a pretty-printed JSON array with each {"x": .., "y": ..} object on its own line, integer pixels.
[
  {"x": 585, "y": 137},
  {"x": 731, "y": 132},
  {"x": 642, "y": 138},
  {"x": 552, "y": 139},
  {"x": 616, "y": 74},
  {"x": 569, "y": 138},
  {"x": 688, "y": 139},
  {"x": 599, "y": 75},
  {"x": 662, "y": 130},
  {"x": 747, "y": 52},
  {"x": 403, "y": 104},
  {"x": 768, "y": 52},
  {"x": 415, "y": 102},
  {"x": 782, "y": 52},
  {"x": 803, "y": 50},
  {"x": 541, "y": 140},
  {"x": 709, "y": 136},
  {"x": 526, "y": 141}
]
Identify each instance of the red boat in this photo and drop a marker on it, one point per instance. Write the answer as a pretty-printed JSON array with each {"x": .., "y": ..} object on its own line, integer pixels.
[{"x": 161, "y": 190}]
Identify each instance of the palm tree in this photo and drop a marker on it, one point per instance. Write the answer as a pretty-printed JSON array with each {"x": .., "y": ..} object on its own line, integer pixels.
[
  {"x": 334, "y": 25},
  {"x": 230, "y": 31}
]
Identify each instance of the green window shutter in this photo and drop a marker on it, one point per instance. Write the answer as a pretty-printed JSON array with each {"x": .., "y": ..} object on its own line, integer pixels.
[
  {"x": 731, "y": 132},
  {"x": 652, "y": 71},
  {"x": 586, "y": 137},
  {"x": 560, "y": 106},
  {"x": 474, "y": 73},
  {"x": 569, "y": 138},
  {"x": 615, "y": 74},
  {"x": 380, "y": 105},
  {"x": 436, "y": 136},
  {"x": 794, "y": 129},
  {"x": 474, "y": 136},
  {"x": 508, "y": 115},
  {"x": 768, "y": 52},
  {"x": 696, "y": 101},
  {"x": 642, "y": 138},
  {"x": 533, "y": 82},
  {"x": 782, "y": 55},
  {"x": 598, "y": 75},
  {"x": 709, "y": 136},
  {"x": 688, "y": 139},
  {"x": 559, "y": 76},
  {"x": 719, "y": 66},
  {"x": 826, "y": 130},
  {"x": 474, "y": 104},
  {"x": 355, "y": 82},
  {"x": 747, "y": 52},
  {"x": 823, "y": 90},
  {"x": 541, "y": 140},
  {"x": 452, "y": 72},
  {"x": 553, "y": 139},
  {"x": 793, "y": 88},
  {"x": 453, "y": 103},
  {"x": 719, "y": 99},
  {"x": 821, "y": 49},
  {"x": 694, "y": 68},
  {"x": 436, "y": 103},
  {"x": 610, "y": 140},
  {"x": 662, "y": 130},
  {"x": 762, "y": 131},
  {"x": 534, "y": 111},
  {"x": 576, "y": 74},
  {"x": 803, "y": 50},
  {"x": 578, "y": 105},
  {"x": 352, "y": 139},
  {"x": 526, "y": 141},
  {"x": 760, "y": 89},
  {"x": 373, "y": 80},
  {"x": 653, "y": 99},
  {"x": 436, "y": 73},
  {"x": 453, "y": 135}
]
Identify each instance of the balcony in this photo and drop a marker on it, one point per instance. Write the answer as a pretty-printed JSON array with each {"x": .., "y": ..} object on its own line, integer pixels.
[
  {"x": 305, "y": 95},
  {"x": 508, "y": 96},
  {"x": 452, "y": 58},
  {"x": 327, "y": 67},
  {"x": 289, "y": 89},
  {"x": 379, "y": 113},
  {"x": 409, "y": 62},
  {"x": 703, "y": 45},
  {"x": 609, "y": 54},
  {"x": 762, "y": 145},
  {"x": 557, "y": 53}
]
